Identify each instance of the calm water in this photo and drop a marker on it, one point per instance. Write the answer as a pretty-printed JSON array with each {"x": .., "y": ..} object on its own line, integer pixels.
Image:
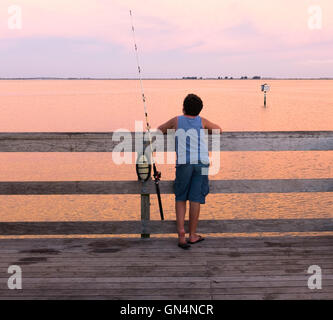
[{"x": 108, "y": 105}]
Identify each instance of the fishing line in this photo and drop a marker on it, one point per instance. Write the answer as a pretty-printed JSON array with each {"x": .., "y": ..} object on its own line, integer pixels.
[{"x": 156, "y": 174}]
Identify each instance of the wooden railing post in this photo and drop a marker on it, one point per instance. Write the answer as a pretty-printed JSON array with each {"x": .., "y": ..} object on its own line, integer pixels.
[{"x": 145, "y": 209}]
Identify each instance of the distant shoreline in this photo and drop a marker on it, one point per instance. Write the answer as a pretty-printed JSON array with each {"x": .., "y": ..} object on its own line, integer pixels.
[{"x": 56, "y": 78}]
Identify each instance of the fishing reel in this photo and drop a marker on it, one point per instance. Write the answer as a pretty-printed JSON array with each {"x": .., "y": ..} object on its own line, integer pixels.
[
  {"x": 157, "y": 174},
  {"x": 143, "y": 167}
]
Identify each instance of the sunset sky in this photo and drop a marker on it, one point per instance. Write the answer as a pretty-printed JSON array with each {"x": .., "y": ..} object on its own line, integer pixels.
[{"x": 92, "y": 38}]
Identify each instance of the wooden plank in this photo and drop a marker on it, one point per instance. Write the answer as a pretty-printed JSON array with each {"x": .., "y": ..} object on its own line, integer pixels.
[
  {"x": 62, "y": 272},
  {"x": 115, "y": 296},
  {"x": 108, "y": 283},
  {"x": 212, "y": 248},
  {"x": 165, "y": 281},
  {"x": 145, "y": 214},
  {"x": 136, "y": 187},
  {"x": 168, "y": 292},
  {"x": 70, "y": 187},
  {"x": 276, "y": 269},
  {"x": 135, "y": 281},
  {"x": 55, "y": 246},
  {"x": 268, "y": 293},
  {"x": 129, "y": 255},
  {"x": 161, "y": 263},
  {"x": 271, "y": 296},
  {"x": 63, "y": 284},
  {"x": 162, "y": 259},
  {"x": 32, "y": 264},
  {"x": 107, "y": 291},
  {"x": 107, "y": 141},
  {"x": 165, "y": 227},
  {"x": 290, "y": 296},
  {"x": 121, "y": 249},
  {"x": 270, "y": 284},
  {"x": 114, "y": 262},
  {"x": 276, "y": 290},
  {"x": 308, "y": 255},
  {"x": 273, "y": 278},
  {"x": 114, "y": 251}
]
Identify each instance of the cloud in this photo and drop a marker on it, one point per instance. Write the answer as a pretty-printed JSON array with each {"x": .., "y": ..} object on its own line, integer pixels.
[
  {"x": 169, "y": 23},
  {"x": 180, "y": 28}
]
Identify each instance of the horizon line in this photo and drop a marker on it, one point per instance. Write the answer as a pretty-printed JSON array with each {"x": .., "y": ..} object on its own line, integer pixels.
[{"x": 167, "y": 78}]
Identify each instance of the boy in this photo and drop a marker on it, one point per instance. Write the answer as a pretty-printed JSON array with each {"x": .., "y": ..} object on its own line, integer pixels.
[{"x": 192, "y": 159}]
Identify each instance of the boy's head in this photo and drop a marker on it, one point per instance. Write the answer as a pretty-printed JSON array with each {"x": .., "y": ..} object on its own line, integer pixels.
[{"x": 192, "y": 105}]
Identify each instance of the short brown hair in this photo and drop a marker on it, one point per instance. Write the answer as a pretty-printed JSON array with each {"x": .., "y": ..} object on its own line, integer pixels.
[{"x": 192, "y": 105}]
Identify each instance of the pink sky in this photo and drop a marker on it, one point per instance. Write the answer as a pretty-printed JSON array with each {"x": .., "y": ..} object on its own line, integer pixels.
[{"x": 176, "y": 38}]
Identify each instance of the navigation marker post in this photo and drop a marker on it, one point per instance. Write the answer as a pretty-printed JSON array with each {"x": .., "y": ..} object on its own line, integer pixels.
[{"x": 265, "y": 88}]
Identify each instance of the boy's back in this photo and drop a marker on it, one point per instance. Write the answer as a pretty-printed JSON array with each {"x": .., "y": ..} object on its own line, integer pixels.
[
  {"x": 191, "y": 146},
  {"x": 191, "y": 181}
]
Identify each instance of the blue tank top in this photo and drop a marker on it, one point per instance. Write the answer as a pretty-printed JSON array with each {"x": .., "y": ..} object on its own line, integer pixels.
[{"x": 191, "y": 146}]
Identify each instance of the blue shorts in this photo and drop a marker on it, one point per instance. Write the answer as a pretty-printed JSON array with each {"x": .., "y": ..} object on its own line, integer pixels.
[{"x": 190, "y": 184}]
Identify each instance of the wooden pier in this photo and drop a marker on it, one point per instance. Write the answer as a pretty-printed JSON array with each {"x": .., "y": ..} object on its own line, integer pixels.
[
  {"x": 148, "y": 269},
  {"x": 155, "y": 268}
]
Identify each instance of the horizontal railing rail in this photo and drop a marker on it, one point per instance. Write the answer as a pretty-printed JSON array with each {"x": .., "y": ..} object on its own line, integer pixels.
[
  {"x": 107, "y": 142},
  {"x": 164, "y": 227},
  {"x": 135, "y": 187}
]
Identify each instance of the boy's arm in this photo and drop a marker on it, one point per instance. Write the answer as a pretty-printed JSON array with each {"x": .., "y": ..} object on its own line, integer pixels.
[
  {"x": 171, "y": 124},
  {"x": 210, "y": 125}
]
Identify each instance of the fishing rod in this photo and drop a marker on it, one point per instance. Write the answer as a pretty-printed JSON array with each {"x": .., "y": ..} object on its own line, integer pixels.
[{"x": 156, "y": 174}]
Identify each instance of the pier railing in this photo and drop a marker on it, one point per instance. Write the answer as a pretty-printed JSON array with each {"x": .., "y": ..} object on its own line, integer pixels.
[{"x": 106, "y": 142}]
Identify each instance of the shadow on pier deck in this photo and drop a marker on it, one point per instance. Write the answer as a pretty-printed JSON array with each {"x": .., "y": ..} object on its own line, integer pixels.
[{"x": 218, "y": 268}]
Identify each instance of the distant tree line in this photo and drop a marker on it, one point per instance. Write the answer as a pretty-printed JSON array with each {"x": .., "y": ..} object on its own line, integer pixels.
[{"x": 221, "y": 78}]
